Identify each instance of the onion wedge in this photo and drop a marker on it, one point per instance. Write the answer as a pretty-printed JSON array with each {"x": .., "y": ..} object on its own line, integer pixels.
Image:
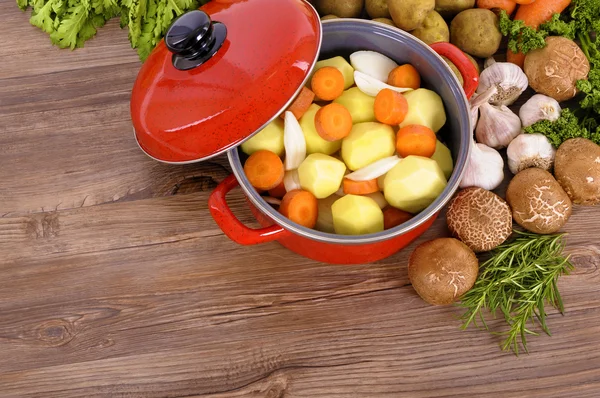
[
  {"x": 271, "y": 200},
  {"x": 291, "y": 180},
  {"x": 373, "y": 64},
  {"x": 375, "y": 169},
  {"x": 293, "y": 142},
  {"x": 371, "y": 86}
]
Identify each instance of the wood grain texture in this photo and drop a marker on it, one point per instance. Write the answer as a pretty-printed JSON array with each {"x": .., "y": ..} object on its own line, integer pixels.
[{"x": 115, "y": 281}]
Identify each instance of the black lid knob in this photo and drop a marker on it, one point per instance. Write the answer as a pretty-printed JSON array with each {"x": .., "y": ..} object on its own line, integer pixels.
[{"x": 193, "y": 38}]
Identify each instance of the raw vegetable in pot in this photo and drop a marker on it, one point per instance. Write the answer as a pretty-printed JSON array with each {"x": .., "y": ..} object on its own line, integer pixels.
[
  {"x": 342, "y": 65},
  {"x": 264, "y": 170},
  {"x": 270, "y": 139},
  {"x": 360, "y": 105},
  {"x": 390, "y": 107},
  {"x": 356, "y": 215},
  {"x": 314, "y": 142},
  {"x": 405, "y": 76},
  {"x": 367, "y": 143},
  {"x": 415, "y": 140},
  {"x": 301, "y": 207},
  {"x": 425, "y": 107},
  {"x": 333, "y": 122},
  {"x": 321, "y": 174},
  {"x": 327, "y": 83}
]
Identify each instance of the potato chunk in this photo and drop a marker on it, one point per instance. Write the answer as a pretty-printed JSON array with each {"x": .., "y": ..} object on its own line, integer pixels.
[
  {"x": 340, "y": 64},
  {"x": 360, "y": 105},
  {"x": 367, "y": 143},
  {"x": 414, "y": 183},
  {"x": 321, "y": 174},
  {"x": 325, "y": 215},
  {"x": 356, "y": 215},
  {"x": 270, "y": 138},
  {"x": 314, "y": 142},
  {"x": 425, "y": 107},
  {"x": 443, "y": 157}
]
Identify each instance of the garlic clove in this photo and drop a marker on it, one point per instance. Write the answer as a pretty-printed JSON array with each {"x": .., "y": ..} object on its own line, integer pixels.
[
  {"x": 509, "y": 79},
  {"x": 485, "y": 168},
  {"x": 477, "y": 100},
  {"x": 489, "y": 62},
  {"x": 539, "y": 107},
  {"x": 530, "y": 150},
  {"x": 497, "y": 126}
]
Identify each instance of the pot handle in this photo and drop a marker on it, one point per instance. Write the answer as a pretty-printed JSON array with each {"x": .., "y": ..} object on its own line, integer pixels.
[
  {"x": 464, "y": 65},
  {"x": 230, "y": 225}
]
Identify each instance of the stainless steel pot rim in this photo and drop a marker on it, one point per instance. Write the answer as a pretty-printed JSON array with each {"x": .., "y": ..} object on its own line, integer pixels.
[{"x": 453, "y": 184}]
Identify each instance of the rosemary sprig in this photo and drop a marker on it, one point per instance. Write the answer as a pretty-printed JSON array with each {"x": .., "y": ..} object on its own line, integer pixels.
[{"x": 517, "y": 280}]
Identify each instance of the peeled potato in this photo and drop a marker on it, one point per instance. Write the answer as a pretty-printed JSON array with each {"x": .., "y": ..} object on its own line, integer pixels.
[
  {"x": 321, "y": 174},
  {"x": 360, "y": 105},
  {"x": 356, "y": 215},
  {"x": 367, "y": 143},
  {"x": 425, "y": 107},
  {"x": 325, "y": 216},
  {"x": 342, "y": 65},
  {"x": 270, "y": 138},
  {"x": 414, "y": 183},
  {"x": 443, "y": 157},
  {"x": 314, "y": 142}
]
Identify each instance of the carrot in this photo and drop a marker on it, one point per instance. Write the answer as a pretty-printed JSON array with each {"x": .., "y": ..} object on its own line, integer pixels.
[
  {"x": 333, "y": 122},
  {"x": 279, "y": 191},
  {"x": 404, "y": 76},
  {"x": 352, "y": 187},
  {"x": 392, "y": 217},
  {"x": 390, "y": 107},
  {"x": 264, "y": 170},
  {"x": 328, "y": 83},
  {"x": 301, "y": 104},
  {"x": 496, "y": 5},
  {"x": 524, "y": 1},
  {"x": 301, "y": 207},
  {"x": 535, "y": 14},
  {"x": 416, "y": 140}
]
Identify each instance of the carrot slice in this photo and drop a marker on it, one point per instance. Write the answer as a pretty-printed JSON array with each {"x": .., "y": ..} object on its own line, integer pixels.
[
  {"x": 393, "y": 217},
  {"x": 524, "y": 1},
  {"x": 405, "y": 76},
  {"x": 495, "y": 5},
  {"x": 328, "y": 83},
  {"x": 352, "y": 187},
  {"x": 264, "y": 170},
  {"x": 279, "y": 191},
  {"x": 301, "y": 104},
  {"x": 390, "y": 107},
  {"x": 301, "y": 207},
  {"x": 534, "y": 14},
  {"x": 415, "y": 140},
  {"x": 333, "y": 122}
]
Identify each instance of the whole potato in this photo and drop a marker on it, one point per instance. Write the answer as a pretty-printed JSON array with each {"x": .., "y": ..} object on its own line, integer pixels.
[
  {"x": 433, "y": 30},
  {"x": 341, "y": 8},
  {"x": 329, "y": 16},
  {"x": 449, "y": 8},
  {"x": 377, "y": 8},
  {"x": 386, "y": 21},
  {"x": 476, "y": 31},
  {"x": 409, "y": 14}
]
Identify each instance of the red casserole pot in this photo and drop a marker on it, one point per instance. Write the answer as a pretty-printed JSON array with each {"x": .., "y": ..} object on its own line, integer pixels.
[{"x": 177, "y": 135}]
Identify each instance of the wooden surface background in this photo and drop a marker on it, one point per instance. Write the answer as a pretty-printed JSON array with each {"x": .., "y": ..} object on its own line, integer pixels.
[{"x": 115, "y": 281}]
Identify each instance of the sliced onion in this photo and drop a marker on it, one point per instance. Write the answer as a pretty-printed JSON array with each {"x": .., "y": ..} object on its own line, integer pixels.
[
  {"x": 371, "y": 86},
  {"x": 272, "y": 200},
  {"x": 340, "y": 191},
  {"x": 294, "y": 142},
  {"x": 373, "y": 64},
  {"x": 379, "y": 199},
  {"x": 375, "y": 169},
  {"x": 291, "y": 180}
]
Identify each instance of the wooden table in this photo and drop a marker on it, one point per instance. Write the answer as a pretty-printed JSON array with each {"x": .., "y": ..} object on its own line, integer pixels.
[{"x": 116, "y": 282}]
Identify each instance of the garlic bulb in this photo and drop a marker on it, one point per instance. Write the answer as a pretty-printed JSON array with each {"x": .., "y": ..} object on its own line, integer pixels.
[
  {"x": 509, "y": 79},
  {"x": 530, "y": 150},
  {"x": 489, "y": 62},
  {"x": 485, "y": 168},
  {"x": 497, "y": 126},
  {"x": 539, "y": 107}
]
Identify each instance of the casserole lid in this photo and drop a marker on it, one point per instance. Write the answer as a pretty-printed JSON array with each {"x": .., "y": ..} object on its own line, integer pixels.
[{"x": 222, "y": 73}]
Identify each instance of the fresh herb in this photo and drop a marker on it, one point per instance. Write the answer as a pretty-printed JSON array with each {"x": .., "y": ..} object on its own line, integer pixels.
[
  {"x": 567, "y": 126},
  {"x": 519, "y": 278},
  {"x": 521, "y": 38},
  {"x": 70, "y": 23}
]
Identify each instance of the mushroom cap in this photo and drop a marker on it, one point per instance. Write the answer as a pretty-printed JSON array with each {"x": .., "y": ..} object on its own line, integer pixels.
[
  {"x": 555, "y": 69},
  {"x": 479, "y": 218},
  {"x": 577, "y": 170},
  {"x": 442, "y": 270},
  {"x": 538, "y": 202}
]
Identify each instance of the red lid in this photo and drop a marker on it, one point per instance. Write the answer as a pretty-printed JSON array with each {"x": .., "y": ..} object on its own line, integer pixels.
[{"x": 253, "y": 58}]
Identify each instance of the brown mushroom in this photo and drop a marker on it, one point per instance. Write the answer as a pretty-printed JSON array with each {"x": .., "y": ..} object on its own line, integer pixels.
[
  {"x": 577, "y": 170},
  {"x": 555, "y": 69},
  {"x": 479, "y": 218},
  {"x": 538, "y": 202},
  {"x": 442, "y": 270}
]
